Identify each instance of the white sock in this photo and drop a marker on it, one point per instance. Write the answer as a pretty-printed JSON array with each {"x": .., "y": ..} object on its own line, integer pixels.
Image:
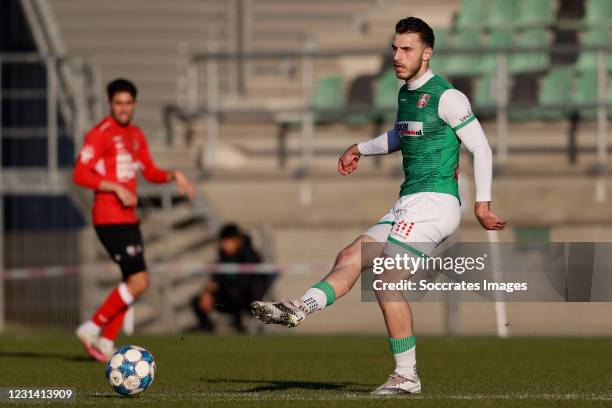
[
  {"x": 125, "y": 294},
  {"x": 405, "y": 363},
  {"x": 314, "y": 299},
  {"x": 91, "y": 327}
]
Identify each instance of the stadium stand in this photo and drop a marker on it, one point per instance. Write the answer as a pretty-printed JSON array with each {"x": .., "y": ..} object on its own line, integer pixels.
[{"x": 537, "y": 165}]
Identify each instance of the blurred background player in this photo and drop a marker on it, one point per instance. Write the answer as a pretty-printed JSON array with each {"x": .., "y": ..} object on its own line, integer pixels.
[
  {"x": 433, "y": 120},
  {"x": 231, "y": 292},
  {"x": 112, "y": 154}
]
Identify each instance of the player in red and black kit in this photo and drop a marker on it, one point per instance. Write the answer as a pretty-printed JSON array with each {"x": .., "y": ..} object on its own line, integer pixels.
[{"x": 112, "y": 154}]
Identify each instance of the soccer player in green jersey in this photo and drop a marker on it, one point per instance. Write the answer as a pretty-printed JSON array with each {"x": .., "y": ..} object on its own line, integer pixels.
[{"x": 433, "y": 120}]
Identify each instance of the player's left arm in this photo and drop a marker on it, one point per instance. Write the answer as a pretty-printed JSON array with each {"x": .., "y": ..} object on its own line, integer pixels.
[
  {"x": 454, "y": 108},
  {"x": 156, "y": 175}
]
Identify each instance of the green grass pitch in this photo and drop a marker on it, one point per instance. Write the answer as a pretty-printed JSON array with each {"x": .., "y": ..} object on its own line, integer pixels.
[{"x": 332, "y": 371}]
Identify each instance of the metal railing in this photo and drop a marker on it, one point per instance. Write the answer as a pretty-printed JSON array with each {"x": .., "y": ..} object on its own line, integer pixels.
[
  {"x": 76, "y": 101},
  {"x": 205, "y": 95}
]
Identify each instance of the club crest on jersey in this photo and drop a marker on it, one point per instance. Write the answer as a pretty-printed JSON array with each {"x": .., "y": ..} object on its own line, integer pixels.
[
  {"x": 409, "y": 128},
  {"x": 422, "y": 102}
]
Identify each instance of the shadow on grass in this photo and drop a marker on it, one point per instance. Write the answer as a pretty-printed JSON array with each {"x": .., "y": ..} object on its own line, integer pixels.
[
  {"x": 284, "y": 385},
  {"x": 54, "y": 356}
]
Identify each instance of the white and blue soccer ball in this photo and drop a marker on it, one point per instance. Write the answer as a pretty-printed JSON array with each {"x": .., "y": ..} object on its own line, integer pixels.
[{"x": 130, "y": 370}]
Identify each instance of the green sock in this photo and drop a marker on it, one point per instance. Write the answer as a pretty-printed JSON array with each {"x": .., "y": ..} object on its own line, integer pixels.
[
  {"x": 402, "y": 345},
  {"x": 328, "y": 289}
]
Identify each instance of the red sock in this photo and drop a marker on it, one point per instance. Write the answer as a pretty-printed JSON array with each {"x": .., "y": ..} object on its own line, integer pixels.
[
  {"x": 112, "y": 328},
  {"x": 118, "y": 300}
]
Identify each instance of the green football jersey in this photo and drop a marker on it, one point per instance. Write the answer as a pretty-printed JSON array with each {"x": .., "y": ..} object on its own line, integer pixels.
[{"x": 429, "y": 146}]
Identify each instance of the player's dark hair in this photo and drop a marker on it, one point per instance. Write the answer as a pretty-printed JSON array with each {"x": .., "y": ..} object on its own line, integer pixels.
[
  {"x": 416, "y": 25},
  {"x": 121, "y": 85},
  {"x": 230, "y": 231}
]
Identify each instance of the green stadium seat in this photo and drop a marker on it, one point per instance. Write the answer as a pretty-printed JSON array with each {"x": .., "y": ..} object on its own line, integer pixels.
[
  {"x": 531, "y": 237},
  {"x": 472, "y": 14},
  {"x": 598, "y": 13},
  {"x": 329, "y": 95},
  {"x": 464, "y": 64},
  {"x": 529, "y": 62},
  {"x": 586, "y": 93},
  {"x": 594, "y": 37},
  {"x": 485, "y": 93},
  {"x": 502, "y": 14},
  {"x": 497, "y": 39},
  {"x": 535, "y": 13},
  {"x": 555, "y": 90},
  {"x": 438, "y": 61},
  {"x": 385, "y": 97}
]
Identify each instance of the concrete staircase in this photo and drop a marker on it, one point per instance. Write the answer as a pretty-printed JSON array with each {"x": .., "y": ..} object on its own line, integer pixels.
[
  {"x": 141, "y": 40},
  {"x": 147, "y": 40}
]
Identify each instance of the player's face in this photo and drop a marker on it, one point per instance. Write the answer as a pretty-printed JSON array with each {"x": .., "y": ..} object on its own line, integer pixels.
[
  {"x": 409, "y": 55},
  {"x": 122, "y": 107},
  {"x": 230, "y": 246}
]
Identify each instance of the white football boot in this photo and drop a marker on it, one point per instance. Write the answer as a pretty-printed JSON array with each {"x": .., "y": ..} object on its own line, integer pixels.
[
  {"x": 89, "y": 336},
  {"x": 106, "y": 347},
  {"x": 398, "y": 384},
  {"x": 286, "y": 313}
]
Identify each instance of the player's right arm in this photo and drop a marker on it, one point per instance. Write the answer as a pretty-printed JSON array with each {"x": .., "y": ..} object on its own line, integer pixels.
[
  {"x": 386, "y": 143},
  {"x": 85, "y": 175}
]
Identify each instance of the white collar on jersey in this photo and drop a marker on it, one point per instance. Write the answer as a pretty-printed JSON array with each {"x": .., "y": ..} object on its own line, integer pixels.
[{"x": 417, "y": 83}]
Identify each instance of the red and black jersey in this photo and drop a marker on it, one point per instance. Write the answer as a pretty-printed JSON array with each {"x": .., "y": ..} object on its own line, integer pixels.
[{"x": 115, "y": 153}]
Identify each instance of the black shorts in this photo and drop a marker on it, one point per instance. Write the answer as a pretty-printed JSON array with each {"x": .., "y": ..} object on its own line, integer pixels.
[{"x": 123, "y": 242}]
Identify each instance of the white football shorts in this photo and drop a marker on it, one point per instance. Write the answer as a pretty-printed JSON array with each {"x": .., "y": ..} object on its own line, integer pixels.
[{"x": 419, "y": 221}]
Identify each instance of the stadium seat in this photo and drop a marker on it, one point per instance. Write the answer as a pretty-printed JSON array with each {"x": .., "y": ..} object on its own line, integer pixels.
[
  {"x": 525, "y": 62},
  {"x": 555, "y": 91},
  {"x": 598, "y": 13},
  {"x": 531, "y": 237},
  {"x": 523, "y": 96},
  {"x": 497, "y": 39},
  {"x": 438, "y": 61},
  {"x": 535, "y": 13},
  {"x": 472, "y": 14},
  {"x": 328, "y": 99},
  {"x": 385, "y": 97},
  {"x": 464, "y": 64},
  {"x": 585, "y": 93},
  {"x": 485, "y": 96},
  {"x": 502, "y": 14},
  {"x": 594, "y": 37}
]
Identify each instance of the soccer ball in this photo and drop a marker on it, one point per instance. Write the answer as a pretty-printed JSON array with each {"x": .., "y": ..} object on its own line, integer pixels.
[{"x": 131, "y": 370}]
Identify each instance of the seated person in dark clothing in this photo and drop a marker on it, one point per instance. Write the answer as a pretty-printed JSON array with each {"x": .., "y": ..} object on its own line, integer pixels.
[{"x": 232, "y": 292}]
